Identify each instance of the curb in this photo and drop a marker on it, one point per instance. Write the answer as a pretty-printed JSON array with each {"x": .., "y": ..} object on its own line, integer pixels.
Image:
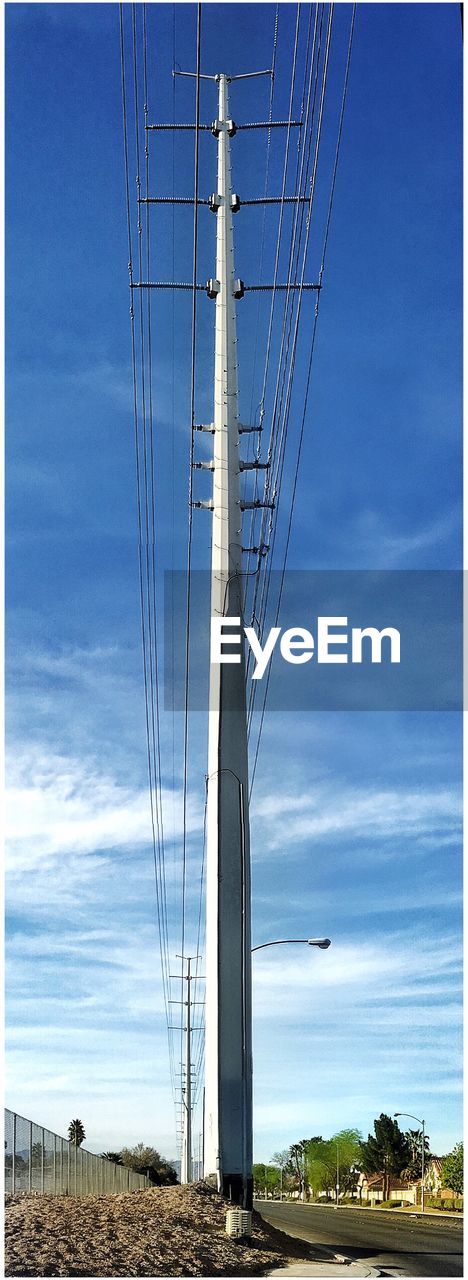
[
  {"x": 337, "y": 1266},
  {"x": 429, "y": 1214},
  {"x": 325, "y": 1265}
]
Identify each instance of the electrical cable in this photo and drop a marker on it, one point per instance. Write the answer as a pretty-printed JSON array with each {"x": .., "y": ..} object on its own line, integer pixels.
[
  {"x": 190, "y": 493},
  {"x": 311, "y": 354},
  {"x": 285, "y": 422},
  {"x": 267, "y": 522},
  {"x": 140, "y": 523}
]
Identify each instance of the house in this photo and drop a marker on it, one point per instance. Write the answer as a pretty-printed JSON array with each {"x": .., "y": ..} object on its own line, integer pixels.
[
  {"x": 371, "y": 1186},
  {"x": 433, "y": 1175},
  {"x": 371, "y": 1189}
]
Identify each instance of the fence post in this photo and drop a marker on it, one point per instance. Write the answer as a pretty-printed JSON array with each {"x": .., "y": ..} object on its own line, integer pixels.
[
  {"x": 61, "y": 1165},
  {"x": 13, "y": 1156},
  {"x": 68, "y": 1169},
  {"x": 55, "y": 1164},
  {"x": 76, "y": 1148},
  {"x": 42, "y": 1161},
  {"x": 30, "y": 1155}
]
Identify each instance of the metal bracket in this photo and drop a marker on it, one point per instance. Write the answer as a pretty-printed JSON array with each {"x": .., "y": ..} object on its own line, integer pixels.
[
  {"x": 255, "y": 504},
  {"x": 204, "y": 506},
  {"x": 165, "y": 127},
  {"x": 266, "y": 288},
  {"x": 162, "y": 284},
  {"x": 279, "y": 200},
  {"x": 212, "y": 288},
  {"x": 239, "y": 289},
  {"x": 272, "y": 124},
  {"x": 254, "y": 466},
  {"x": 214, "y": 202},
  {"x": 218, "y": 125},
  {"x": 203, "y": 466},
  {"x": 262, "y": 550},
  {"x": 170, "y": 200}
]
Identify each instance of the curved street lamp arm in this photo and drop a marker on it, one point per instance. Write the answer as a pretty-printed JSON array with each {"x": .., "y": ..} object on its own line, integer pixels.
[
  {"x": 279, "y": 942},
  {"x": 409, "y": 1116}
]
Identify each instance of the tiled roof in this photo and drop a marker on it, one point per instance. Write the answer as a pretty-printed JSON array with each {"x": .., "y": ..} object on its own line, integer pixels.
[{"x": 376, "y": 1180}]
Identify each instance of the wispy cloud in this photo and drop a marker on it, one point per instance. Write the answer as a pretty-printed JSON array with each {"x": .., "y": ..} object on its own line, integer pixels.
[
  {"x": 57, "y": 806},
  {"x": 340, "y": 812},
  {"x": 392, "y": 548}
]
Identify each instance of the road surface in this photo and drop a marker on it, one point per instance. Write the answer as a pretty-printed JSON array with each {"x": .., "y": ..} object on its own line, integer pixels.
[{"x": 396, "y": 1244}]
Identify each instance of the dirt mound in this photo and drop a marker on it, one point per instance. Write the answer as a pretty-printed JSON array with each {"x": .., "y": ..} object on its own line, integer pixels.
[{"x": 165, "y": 1231}]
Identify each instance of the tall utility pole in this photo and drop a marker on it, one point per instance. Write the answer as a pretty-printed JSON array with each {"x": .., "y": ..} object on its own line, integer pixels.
[
  {"x": 228, "y": 1056},
  {"x": 186, "y": 1166},
  {"x": 227, "y": 1144},
  {"x": 186, "y": 1067}
]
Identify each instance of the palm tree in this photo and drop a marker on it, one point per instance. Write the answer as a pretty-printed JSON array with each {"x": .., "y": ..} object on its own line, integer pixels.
[{"x": 76, "y": 1133}]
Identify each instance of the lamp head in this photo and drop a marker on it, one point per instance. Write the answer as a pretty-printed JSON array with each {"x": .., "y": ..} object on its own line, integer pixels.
[{"x": 323, "y": 943}]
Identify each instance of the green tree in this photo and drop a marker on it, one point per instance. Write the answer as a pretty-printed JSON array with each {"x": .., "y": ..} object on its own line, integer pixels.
[
  {"x": 452, "y": 1169},
  {"x": 297, "y": 1155},
  {"x": 282, "y": 1161},
  {"x": 111, "y": 1155},
  {"x": 76, "y": 1133},
  {"x": 320, "y": 1165},
  {"x": 145, "y": 1159},
  {"x": 259, "y": 1179},
  {"x": 414, "y": 1168},
  {"x": 386, "y": 1151},
  {"x": 266, "y": 1179},
  {"x": 347, "y": 1148}
]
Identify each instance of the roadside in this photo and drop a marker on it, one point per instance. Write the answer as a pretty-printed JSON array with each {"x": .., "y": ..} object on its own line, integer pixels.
[
  {"x": 162, "y": 1231},
  {"x": 379, "y": 1243},
  {"x": 331, "y": 1269},
  {"x": 440, "y": 1214}
]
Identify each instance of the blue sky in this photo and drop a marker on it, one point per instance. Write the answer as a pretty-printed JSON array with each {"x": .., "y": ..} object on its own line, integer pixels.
[{"x": 355, "y": 817}]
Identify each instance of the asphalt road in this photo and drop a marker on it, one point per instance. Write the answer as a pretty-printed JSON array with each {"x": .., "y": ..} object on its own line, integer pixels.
[{"x": 397, "y": 1245}]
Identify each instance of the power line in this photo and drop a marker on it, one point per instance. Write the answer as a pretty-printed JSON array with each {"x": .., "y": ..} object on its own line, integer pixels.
[
  {"x": 311, "y": 355},
  {"x": 280, "y": 449},
  {"x": 190, "y": 487},
  {"x": 251, "y": 540},
  {"x": 266, "y": 535},
  {"x": 163, "y": 958}
]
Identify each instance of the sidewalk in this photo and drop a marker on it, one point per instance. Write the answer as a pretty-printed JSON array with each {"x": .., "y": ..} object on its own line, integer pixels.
[
  {"x": 331, "y": 1265},
  {"x": 323, "y": 1268}
]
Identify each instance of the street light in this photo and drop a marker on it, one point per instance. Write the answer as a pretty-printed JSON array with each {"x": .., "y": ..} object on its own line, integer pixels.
[
  {"x": 323, "y": 943},
  {"x": 421, "y": 1122}
]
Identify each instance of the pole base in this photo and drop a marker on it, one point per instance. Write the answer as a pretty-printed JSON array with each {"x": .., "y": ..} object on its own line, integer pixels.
[{"x": 238, "y": 1190}]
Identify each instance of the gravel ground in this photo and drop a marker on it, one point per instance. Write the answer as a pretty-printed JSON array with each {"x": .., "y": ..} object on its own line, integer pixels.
[{"x": 167, "y": 1231}]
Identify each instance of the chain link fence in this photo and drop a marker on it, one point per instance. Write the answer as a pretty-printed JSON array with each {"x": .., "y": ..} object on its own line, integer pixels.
[{"x": 38, "y": 1160}]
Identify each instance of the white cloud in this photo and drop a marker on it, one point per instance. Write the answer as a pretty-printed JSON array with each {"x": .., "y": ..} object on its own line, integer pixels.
[
  {"x": 341, "y": 811},
  {"x": 368, "y": 974},
  {"x": 389, "y": 548},
  {"x": 59, "y": 806}
]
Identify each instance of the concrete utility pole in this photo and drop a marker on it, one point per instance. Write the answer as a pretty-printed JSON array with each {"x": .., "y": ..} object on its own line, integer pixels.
[
  {"x": 186, "y": 1165},
  {"x": 186, "y": 1162},
  {"x": 227, "y": 1144},
  {"x": 228, "y": 1058}
]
